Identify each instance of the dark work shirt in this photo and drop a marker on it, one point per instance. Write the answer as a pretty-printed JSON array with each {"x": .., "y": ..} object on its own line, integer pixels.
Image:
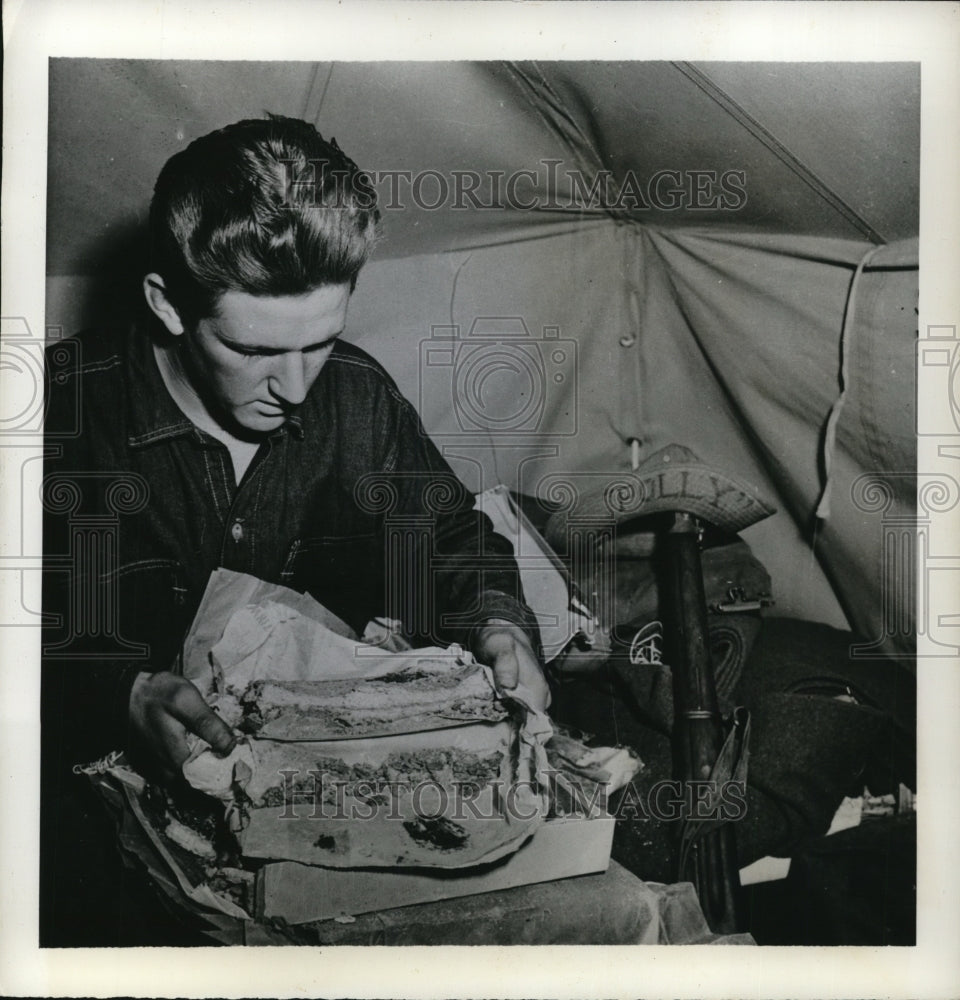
[{"x": 349, "y": 500}]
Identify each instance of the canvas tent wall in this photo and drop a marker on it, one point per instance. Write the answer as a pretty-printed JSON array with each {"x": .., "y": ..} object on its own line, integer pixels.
[{"x": 732, "y": 325}]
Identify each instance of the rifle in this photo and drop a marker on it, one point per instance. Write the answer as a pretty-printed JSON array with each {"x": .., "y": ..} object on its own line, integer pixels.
[
  {"x": 708, "y": 859},
  {"x": 674, "y": 483}
]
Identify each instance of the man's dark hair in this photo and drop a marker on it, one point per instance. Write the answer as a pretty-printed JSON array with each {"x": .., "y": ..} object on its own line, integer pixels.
[{"x": 263, "y": 206}]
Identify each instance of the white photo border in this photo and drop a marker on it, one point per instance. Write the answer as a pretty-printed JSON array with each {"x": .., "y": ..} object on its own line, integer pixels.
[{"x": 37, "y": 30}]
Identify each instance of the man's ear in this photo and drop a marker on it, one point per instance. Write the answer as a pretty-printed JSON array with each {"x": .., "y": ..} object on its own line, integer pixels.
[{"x": 155, "y": 292}]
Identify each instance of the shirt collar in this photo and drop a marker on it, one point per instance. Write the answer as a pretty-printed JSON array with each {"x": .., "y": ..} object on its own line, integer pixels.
[{"x": 154, "y": 416}]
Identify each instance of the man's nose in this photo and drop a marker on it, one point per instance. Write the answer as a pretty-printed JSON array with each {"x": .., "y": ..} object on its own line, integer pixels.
[{"x": 289, "y": 380}]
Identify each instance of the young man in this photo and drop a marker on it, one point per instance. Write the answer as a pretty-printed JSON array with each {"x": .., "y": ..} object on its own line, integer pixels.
[{"x": 239, "y": 430}]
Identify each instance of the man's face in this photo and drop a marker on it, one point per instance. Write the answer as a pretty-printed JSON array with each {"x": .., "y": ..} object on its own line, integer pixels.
[{"x": 255, "y": 361}]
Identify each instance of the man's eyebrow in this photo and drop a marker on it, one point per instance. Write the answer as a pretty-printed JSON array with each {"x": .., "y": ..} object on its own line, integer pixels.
[{"x": 236, "y": 345}]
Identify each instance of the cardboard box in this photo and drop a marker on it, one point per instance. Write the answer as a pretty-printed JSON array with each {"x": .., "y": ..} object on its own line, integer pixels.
[{"x": 559, "y": 849}]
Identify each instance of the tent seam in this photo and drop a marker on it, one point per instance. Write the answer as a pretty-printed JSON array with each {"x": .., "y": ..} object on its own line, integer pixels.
[
  {"x": 557, "y": 106},
  {"x": 583, "y": 152},
  {"x": 757, "y": 446}
]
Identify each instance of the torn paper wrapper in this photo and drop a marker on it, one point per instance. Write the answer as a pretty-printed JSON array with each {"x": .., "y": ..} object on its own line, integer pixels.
[
  {"x": 123, "y": 790},
  {"x": 226, "y": 591},
  {"x": 247, "y": 630},
  {"x": 277, "y": 674},
  {"x": 440, "y": 775},
  {"x": 398, "y": 758},
  {"x": 273, "y": 641}
]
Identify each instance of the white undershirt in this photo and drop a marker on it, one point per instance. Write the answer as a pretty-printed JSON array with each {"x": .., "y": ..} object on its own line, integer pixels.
[
  {"x": 241, "y": 454},
  {"x": 188, "y": 402}
]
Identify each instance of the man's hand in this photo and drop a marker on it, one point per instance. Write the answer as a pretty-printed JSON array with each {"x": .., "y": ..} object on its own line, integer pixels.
[
  {"x": 507, "y": 649},
  {"x": 163, "y": 707}
]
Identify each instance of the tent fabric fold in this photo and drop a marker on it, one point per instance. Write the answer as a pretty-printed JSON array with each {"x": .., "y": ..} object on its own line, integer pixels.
[{"x": 719, "y": 325}]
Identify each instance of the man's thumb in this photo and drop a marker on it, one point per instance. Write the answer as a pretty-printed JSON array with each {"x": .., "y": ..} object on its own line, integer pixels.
[
  {"x": 217, "y": 733},
  {"x": 197, "y": 716},
  {"x": 506, "y": 670}
]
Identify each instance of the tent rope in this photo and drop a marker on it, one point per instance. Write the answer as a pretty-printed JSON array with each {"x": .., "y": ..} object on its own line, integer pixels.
[{"x": 830, "y": 435}]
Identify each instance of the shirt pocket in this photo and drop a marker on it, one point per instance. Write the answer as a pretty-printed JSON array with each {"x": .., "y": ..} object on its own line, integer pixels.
[{"x": 343, "y": 572}]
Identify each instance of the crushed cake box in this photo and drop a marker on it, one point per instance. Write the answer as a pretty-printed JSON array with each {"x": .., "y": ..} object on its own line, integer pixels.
[{"x": 560, "y": 848}]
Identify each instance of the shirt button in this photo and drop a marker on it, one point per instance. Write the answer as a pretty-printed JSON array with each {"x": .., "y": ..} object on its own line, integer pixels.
[{"x": 237, "y": 531}]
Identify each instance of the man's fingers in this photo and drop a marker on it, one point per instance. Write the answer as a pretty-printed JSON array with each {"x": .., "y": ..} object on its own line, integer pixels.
[
  {"x": 506, "y": 648},
  {"x": 196, "y": 715},
  {"x": 498, "y": 648},
  {"x": 172, "y": 738}
]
